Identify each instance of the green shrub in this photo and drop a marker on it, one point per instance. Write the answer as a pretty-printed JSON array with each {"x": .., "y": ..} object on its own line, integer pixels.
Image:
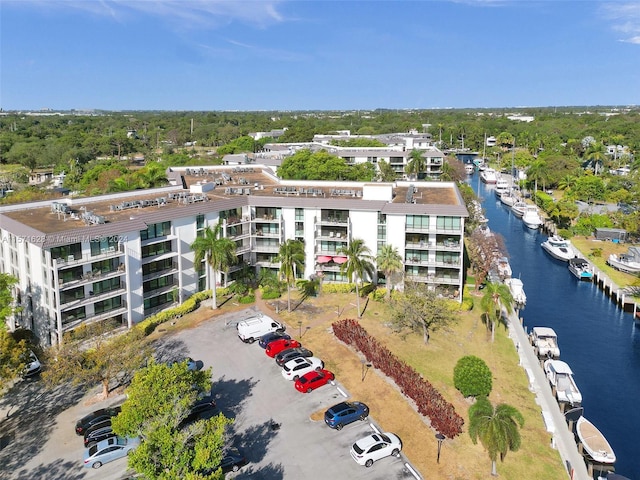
[
  {"x": 467, "y": 304},
  {"x": 270, "y": 293},
  {"x": 338, "y": 287},
  {"x": 367, "y": 289},
  {"x": 247, "y": 299},
  {"x": 378, "y": 295},
  {"x": 148, "y": 325},
  {"x": 472, "y": 377}
]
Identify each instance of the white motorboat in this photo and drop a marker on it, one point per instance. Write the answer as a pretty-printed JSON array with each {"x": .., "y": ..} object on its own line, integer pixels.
[
  {"x": 488, "y": 175},
  {"x": 518, "y": 208},
  {"x": 502, "y": 186},
  {"x": 531, "y": 218},
  {"x": 626, "y": 262},
  {"x": 503, "y": 268},
  {"x": 581, "y": 269},
  {"x": 516, "y": 287},
  {"x": 594, "y": 444},
  {"x": 545, "y": 342},
  {"x": 508, "y": 199},
  {"x": 562, "y": 383},
  {"x": 469, "y": 168},
  {"x": 559, "y": 248}
]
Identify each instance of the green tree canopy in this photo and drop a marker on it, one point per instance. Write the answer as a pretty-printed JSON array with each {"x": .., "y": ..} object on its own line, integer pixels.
[
  {"x": 472, "y": 377},
  {"x": 359, "y": 263},
  {"x": 291, "y": 257},
  {"x": 496, "y": 297},
  {"x": 420, "y": 310},
  {"x": 389, "y": 262}
]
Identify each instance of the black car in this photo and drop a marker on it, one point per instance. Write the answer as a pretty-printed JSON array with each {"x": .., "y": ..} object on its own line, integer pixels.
[
  {"x": 232, "y": 460},
  {"x": 98, "y": 435},
  {"x": 96, "y": 427},
  {"x": 96, "y": 417},
  {"x": 270, "y": 337},
  {"x": 291, "y": 353},
  {"x": 203, "y": 406}
]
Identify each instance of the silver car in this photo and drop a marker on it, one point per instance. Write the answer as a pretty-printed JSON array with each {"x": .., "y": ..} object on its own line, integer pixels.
[{"x": 108, "y": 450}]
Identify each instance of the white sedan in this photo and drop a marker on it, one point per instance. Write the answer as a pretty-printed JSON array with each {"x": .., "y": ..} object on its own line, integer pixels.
[
  {"x": 294, "y": 369},
  {"x": 374, "y": 447}
]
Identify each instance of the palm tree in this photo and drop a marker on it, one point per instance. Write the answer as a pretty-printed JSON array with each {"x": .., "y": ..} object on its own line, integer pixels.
[
  {"x": 218, "y": 251},
  {"x": 291, "y": 258},
  {"x": 152, "y": 176},
  {"x": 390, "y": 263},
  {"x": 359, "y": 261},
  {"x": 536, "y": 172},
  {"x": 496, "y": 428},
  {"x": 417, "y": 163},
  {"x": 496, "y": 297},
  {"x": 596, "y": 155}
]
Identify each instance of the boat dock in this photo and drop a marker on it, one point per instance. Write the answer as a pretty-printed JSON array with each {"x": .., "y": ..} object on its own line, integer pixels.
[{"x": 562, "y": 438}]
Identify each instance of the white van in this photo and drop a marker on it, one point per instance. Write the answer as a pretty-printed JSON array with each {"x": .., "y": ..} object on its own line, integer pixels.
[{"x": 251, "y": 329}]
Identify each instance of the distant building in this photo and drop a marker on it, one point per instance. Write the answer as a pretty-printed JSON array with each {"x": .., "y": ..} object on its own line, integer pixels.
[{"x": 40, "y": 175}]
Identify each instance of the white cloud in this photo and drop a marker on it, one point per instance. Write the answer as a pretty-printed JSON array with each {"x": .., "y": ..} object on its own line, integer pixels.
[
  {"x": 625, "y": 19},
  {"x": 180, "y": 13}
]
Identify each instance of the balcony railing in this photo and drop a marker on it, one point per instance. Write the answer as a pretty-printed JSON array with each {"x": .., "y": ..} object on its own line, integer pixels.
[
  {"x": 90, "y": 277},
  {"x": 92, "y": 298},
  {"x": 72, "y": 260},
  {"x": 159, "y": 291},
  {"x": 160, "y": 273}
]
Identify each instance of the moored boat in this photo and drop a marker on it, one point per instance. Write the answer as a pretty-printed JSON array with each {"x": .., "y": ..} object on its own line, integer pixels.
[
  {"x": 545, "y": 342},
  {"x": 508, "y": 199},
  {"x": 581, "y": 269},
  {"x": 518, "y": 208},
  {"x": 516, "y": 287},
  {"x": 469, "y": 168},
  {"x": 559, "y": 248},
  {"x": 502, "y": 186},
  {"x": 594, "y": 443},
  {"x": 563, "y": 385},
  {"x": 488, "y": 175},
  {"x": 531, "y": 218}
]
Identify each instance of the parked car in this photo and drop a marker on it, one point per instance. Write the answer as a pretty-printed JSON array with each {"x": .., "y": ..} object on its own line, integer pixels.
[
  {"x": 312, "y": 380},
  {"x": 97, "y": 435},
  {"x": 96, "y": 427},
  {"x": 202, "y": 406},
  {"x": 267, "y": 338},
  {"x": 345, "y": 413},
  {"x": 232, "y": 460},
  {"x": 109, "y": 450},
  {"x": 95, "y": 417},
  {"x": 251, "y": 329},
  {"x": 33, "y": 367},
  {"x": 291, "y": 353},
  {"x": 374, "y": 447},
  {"x": 294, "y": 369},
  {"x": 275, "y": 347}
]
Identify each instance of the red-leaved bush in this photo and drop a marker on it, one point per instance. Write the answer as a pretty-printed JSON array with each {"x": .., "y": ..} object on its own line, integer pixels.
[{"x": 429, "y": 401}]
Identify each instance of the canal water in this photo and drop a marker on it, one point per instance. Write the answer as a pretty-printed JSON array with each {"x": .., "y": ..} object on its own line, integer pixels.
[{"x": 597, "y": 339}]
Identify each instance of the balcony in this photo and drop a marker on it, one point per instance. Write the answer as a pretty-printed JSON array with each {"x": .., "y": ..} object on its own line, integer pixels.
[
  {"x": 159, "y": 291},
  {"x": 173, "y": 268},
  {"x": 331, "y": 220},
  {"x": 72, "y": 260},
  {"x": 158, "y": 308},
  {"x": 90, "y": 277},
  {"x": 70, "y": 322},
  {"x": 421, "y": 245},
  {"x": 91, "y": 298}
]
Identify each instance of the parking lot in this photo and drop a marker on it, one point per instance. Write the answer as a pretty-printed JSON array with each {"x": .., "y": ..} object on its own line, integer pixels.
[{"x": 273, "y": 425}]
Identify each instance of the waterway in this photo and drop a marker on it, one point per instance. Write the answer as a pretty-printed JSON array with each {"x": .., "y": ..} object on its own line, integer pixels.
[{"x": 597, "y": 339}]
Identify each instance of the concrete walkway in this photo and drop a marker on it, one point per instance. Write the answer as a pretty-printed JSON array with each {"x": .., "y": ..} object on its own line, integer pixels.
[{"x": 562, "y": 437}]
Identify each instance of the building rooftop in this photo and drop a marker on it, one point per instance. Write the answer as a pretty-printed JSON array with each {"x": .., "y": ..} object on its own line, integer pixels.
[{"x": 200, "y": 190}]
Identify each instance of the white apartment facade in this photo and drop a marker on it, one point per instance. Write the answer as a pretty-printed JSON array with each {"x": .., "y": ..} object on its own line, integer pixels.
[{"x": 125, "y": 256}]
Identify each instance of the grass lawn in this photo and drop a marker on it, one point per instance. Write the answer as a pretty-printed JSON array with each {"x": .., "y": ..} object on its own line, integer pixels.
[
  {"x": 460, "y": 459},
  {"x": 598, "y": 251}
]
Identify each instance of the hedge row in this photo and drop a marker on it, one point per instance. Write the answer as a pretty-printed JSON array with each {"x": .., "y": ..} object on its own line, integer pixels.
[
  {"x": 429, "y": 401},
  {"x": 148, "y": 325}
]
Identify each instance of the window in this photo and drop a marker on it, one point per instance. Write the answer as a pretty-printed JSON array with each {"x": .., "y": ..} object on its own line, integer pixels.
[
  {"x": 104, "y": 245},
  {"x": 65, "y": 251},
  {"x": 157, "y": 283},
  {"x": 299, "y": 214},
  {"x": 71, "y": 295},
  {"x": 158, "y": 300},
  {"x": 448, "y": 223},
  {"x": 106, "y": 285},
  {"x": 199, "y": 221},
  {"x": 73, "y": 315},
  {"x": 156, "y": 230},
  {"x": 156, "y": 249},
  {"x": 107, "y": 305},
  {"x": 157, "y": 266},
  {"x": 418, "y": 222}
]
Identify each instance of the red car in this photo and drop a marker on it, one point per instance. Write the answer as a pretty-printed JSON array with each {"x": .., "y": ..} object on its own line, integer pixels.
[
  {"x": 312, "y": 380},
  {"x": 275, "y": 347}
]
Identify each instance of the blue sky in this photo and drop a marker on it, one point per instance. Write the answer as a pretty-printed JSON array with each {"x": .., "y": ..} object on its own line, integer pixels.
[{"x": 303, "y": 55}]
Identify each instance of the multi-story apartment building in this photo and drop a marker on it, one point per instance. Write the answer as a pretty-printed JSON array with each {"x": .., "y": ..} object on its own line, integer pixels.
[{"x": 125, "y": 256}]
